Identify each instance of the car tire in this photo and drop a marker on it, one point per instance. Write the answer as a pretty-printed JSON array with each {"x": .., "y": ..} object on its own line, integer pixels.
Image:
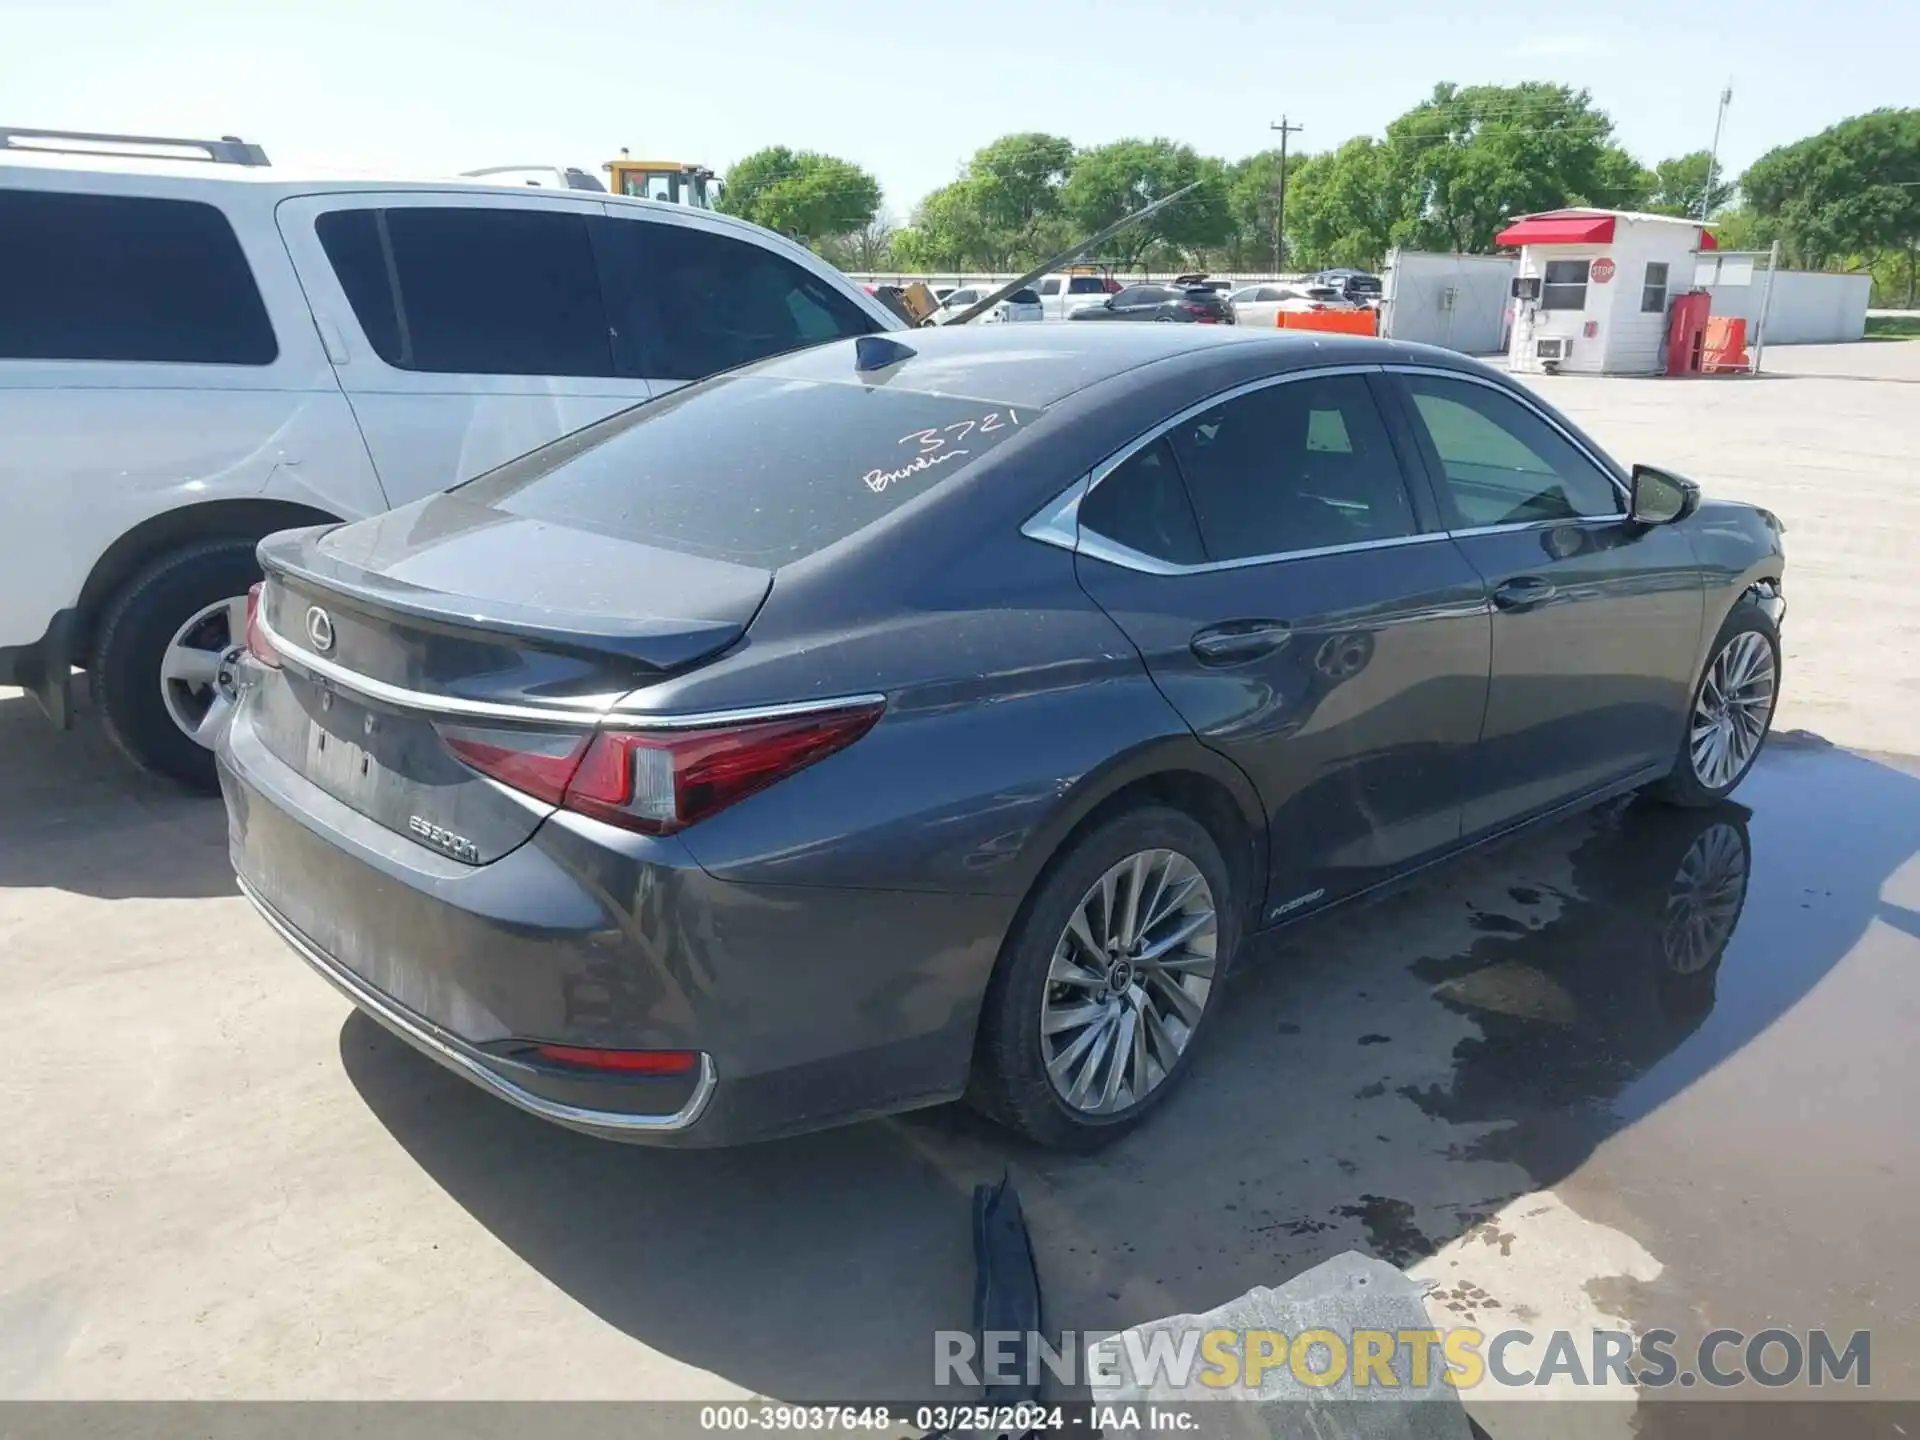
[
  {"x": 1011, "y": 1081},
  {"x": 1748, "y": 645},
  {"x": 138, "y": 628}
]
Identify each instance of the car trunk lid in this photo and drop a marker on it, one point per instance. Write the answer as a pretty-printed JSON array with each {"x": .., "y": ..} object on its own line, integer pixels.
[{"x": 413, "y": 637}]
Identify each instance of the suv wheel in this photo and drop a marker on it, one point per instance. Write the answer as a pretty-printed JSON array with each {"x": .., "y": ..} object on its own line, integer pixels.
[
  {"x": 163, "y": 656},
  {"x": 1105, "y": 981}
]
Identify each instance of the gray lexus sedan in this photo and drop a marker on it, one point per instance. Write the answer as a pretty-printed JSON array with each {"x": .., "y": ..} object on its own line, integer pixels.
[{"x": 940, "y": 713}]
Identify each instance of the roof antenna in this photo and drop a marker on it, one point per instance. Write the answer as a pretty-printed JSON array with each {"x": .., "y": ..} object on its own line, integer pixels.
[{"x": 877, "y": 352}]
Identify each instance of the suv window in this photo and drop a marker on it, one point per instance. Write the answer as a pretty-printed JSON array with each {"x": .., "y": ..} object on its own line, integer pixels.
[
  {"x": 698, "y": 302},
  {"x": 471, "y": 290},
  {"x": 753, "y": 470},
  {"x": 1295, "y": 466},
  {"x": 1050, "y": 285},
  {"x": 120, "y": 277},
  {"x": 1143, "y": 506},
  {"x": 1501, "y": 463},
  {"x": 1086, "y": 285}
]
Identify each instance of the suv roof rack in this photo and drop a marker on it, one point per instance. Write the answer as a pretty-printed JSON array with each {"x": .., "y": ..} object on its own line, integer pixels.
[
  {"x": 571, "y": 177},
  {"x": 227, "y": 150}
]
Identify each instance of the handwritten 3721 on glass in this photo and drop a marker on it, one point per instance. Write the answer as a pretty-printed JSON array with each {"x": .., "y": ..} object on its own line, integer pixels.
[{"x": 938, "y": 446}]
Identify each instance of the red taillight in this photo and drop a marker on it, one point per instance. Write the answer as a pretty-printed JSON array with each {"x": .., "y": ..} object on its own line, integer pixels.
[
  {"x": 538, "y": 762},
  {"x": 258, "y": 646},
  {"x": 658, "y": 782},
  {"x": 623, "y": 1062},
  {"x": 1316, "y": 305}
]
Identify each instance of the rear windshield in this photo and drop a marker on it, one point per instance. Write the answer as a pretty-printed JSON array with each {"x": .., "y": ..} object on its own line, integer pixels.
[
  {"x": 1086, "y": 285},
  {"x": 1023, "y": 297},
  {"x": 752, "y": 470}
]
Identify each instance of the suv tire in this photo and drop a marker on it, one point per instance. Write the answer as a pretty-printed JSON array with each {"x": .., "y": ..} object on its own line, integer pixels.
[{"x": 135, "y": 632}]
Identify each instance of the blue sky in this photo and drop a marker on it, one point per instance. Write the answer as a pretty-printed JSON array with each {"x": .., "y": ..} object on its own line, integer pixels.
[{"x": 910, "y": 90}]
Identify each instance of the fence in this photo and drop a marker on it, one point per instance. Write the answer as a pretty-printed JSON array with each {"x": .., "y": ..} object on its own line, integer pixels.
[{"x": 1806, "y": 307}]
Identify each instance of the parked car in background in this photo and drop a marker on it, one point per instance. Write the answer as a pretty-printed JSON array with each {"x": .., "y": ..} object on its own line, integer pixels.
[
  {"x": 683, "y": 781},
  {"x": 1061, "y": 295},
  {"x": 1356, "y": 285},
  {"x": 1188, "y": 305},
  {"x": 1261, "y": 304},
  {"x": 1022, "y": 305},
  {"x": 195, "y": 354}
]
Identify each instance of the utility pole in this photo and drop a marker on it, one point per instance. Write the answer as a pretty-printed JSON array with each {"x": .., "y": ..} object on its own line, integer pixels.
[
  {"x": 1713, "y": 155},
  {"x": 1280, "y": 215}
]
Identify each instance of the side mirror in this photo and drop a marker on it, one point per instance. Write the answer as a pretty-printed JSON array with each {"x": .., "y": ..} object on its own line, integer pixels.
[{"x": 1660, "y": 497}]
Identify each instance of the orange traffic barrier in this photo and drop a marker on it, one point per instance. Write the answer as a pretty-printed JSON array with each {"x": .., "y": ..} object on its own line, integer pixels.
[
  {"x": 1726, "y": 345},
  {"x": 1340, "y": 322}
]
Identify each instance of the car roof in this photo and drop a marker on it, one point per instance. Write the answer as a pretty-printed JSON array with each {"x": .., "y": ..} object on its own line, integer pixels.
[{"x": 1038, "y": 365}]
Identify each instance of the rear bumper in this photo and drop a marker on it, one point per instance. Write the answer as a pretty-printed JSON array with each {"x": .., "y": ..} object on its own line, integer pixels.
[
  {"x": 808, "y": 1005},
  {"x": 490, "y": 1073}
]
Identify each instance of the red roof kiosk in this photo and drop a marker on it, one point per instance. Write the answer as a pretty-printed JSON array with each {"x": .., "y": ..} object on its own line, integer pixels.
[{"x": 1594, "y": 286}]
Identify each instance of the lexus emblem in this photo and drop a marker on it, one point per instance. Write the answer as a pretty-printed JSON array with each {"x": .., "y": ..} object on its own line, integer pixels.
[{"x": 319, "y": 629}]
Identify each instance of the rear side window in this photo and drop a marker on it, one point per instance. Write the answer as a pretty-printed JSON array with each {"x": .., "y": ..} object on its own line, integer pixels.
[
  {"x": 696, "y": 302},
  {"x": 1295, "y": 466},
  {"x": 1143, "y": 506},
  {"x": 473, "y": 291},
  {"x": 752, "y": 470},
  {"x": 119, "y": 277}
]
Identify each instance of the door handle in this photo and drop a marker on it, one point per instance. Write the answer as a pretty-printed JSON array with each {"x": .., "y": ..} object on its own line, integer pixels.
[
  {"x": 1523, "y": 592},
  {"x": 1238, "y": 641}
]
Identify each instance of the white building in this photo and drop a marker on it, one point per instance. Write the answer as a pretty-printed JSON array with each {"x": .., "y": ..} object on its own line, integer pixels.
[{"x": 1593, "y": 288}]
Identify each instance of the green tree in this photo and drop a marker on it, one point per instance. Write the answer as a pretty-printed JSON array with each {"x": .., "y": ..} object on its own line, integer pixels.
[
  {"x": 1013, "y": 186},
  {"x": 1342, "y": 206},
  {"x": 1851, "y": 190},
  {"x": 1472, "y": 158},
  {"x": 1680, "y": 186},
  {"x": 1253, "y": 199},
  {"x": 1109, "y": 181},
  {"x": 801, "y": 193}
]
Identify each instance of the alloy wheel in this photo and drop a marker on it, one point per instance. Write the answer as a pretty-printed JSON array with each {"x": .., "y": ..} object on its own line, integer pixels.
[
  {"x": 1130, "y": 978},
  {"x": 1734, "y": 708},
  {"x": 197, "y": 668}
]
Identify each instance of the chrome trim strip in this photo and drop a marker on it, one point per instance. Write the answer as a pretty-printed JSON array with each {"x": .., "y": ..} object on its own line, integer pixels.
[
  {"x": 706, "y": 719},
  {"x": 1058, "y": 522},
  {"x": 1514, "y": 392},
  {"x": 1098, "y": 547},
  {"x": 589, "y": 712},
  {"x": 427, "y": 1036}
]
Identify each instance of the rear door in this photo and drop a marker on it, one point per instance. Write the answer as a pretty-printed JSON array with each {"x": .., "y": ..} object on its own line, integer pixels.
[
  {"x": 691, "y": 296},
  {"x": 1302, "y": 609},
  {"x": 1596, "y": 620},
  {"x": 464, "y": 329}
]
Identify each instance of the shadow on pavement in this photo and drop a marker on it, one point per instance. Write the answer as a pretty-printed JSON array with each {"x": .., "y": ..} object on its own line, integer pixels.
[
  {"x": 77, "y": 816},
  {"x": 1384, "y": 1079}
]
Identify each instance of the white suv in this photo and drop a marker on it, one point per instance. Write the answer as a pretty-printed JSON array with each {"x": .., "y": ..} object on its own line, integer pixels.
[{"x": 197, "y": 352}]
